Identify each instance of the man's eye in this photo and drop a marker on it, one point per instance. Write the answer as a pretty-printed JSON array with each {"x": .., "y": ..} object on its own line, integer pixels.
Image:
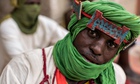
[
  {"x": 111, "y": 44},
  {"x": 92, "y": 33}
]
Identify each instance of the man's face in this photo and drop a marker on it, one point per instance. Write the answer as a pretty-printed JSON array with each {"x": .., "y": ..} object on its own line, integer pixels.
[
  {"x": 95, "y": 46},
  {"x": 32, "y": 1}
]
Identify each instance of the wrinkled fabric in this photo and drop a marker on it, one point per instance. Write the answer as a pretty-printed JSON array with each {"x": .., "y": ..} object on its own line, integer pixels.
[
  {"x": 28, "y": 69},
  {"x": 14, "y": 42},
  {"x": 64, "y": 48}
]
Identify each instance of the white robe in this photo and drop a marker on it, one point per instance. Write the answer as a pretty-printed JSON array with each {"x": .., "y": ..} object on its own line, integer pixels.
[
  {"x": 28, "y": 69},
  {"x": 14, "y": 42}
]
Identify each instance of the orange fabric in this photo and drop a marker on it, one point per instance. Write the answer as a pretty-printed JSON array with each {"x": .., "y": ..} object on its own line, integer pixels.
[{"x": 60, "y": 78}]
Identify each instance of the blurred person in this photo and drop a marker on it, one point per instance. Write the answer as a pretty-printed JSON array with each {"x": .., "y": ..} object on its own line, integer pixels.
[
  {"x": 98, "y": 32},
  {"x": 129, "y": 60},
  {"x": 25, "y": 29},
  {"x": 134, "y": 57}
]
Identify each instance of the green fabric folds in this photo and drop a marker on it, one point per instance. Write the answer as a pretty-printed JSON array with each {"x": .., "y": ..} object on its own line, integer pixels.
[
  {"x": 69, "y": 60},
  {"x": 74, "y": 66},
  {"x": 26, "y": 16}
]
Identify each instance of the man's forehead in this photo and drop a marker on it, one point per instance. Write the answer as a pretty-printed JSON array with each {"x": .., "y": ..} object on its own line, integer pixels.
[{"x": 99, "y": 22}]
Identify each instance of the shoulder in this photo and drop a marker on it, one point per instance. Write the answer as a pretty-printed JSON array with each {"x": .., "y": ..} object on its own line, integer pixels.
[
  {"x": 42, "y": 18},
  {"x": 120, "y": 74},
  {"x": 26, "y": 58},
  {"x": 30, "y": 58},
  {"x": 9, "y": 26},
  {"x": 51, "y": 25},
  {"x": 36, "y": 55},
  {"x": 26, "y": 67},
  {"x": 47, "y": 23},
  {"x": 8, "y": 21}
]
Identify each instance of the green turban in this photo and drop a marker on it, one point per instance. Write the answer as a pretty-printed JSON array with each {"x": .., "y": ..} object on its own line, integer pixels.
[
  {"x": 68, "y": 59},
  {"x": 111, "y": 11}
]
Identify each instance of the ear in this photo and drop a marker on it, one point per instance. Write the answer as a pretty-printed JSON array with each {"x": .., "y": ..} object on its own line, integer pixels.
[{"x": 130, "y": 44}]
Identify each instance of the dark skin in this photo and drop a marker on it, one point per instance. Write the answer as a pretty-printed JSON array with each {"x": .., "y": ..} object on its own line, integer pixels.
[{"x": 95, "y": 47}]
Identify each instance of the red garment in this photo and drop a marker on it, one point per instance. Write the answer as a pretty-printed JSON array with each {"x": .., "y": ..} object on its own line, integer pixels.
[{"x": 59, "y": 77}]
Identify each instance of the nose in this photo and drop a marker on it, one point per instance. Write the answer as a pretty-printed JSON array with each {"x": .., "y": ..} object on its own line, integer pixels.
[{"x": 98, "y": 47}]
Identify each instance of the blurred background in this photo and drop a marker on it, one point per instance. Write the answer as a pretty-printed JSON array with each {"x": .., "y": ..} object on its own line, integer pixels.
[
  {"x": 60, "y": 11},
  {"x": 56, "y": 9}
]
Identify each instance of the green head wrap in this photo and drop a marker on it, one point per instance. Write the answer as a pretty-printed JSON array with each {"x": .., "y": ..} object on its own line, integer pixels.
[
  {"x": 69, "y": 60},
  {"x": 26, "y": 16}
]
